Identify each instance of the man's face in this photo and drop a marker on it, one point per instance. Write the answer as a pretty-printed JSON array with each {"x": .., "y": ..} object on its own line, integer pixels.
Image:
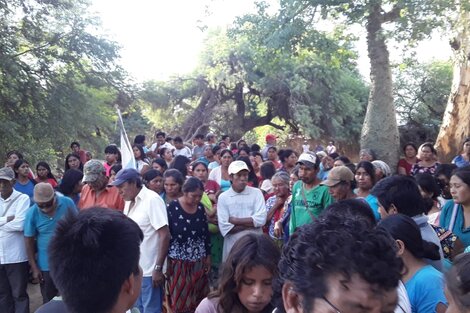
[
  {"x": 240, "y": 180},
  {"x": 99, "y": 184},
  {"x": 128, "y": 191},
  {"x": 46, "y": 207},
  {"x": 179, "y": 145},
  {"x": 328, "y": 162},
  {"x": 355, "y": 296},
  {"x": 160, "y": 140},
  {"x": 6, "y": 187},
  {"x": 307, "y": 174},
  {"x": 339, "y": 191},
  {"x": 75, "y": 148},
  {"x": 272, "y": 155}
]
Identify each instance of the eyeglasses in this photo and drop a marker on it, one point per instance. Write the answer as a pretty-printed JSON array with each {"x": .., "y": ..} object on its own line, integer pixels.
[
  {"x": 44, "y": 205},
  {"x": 331, "y": 305}
]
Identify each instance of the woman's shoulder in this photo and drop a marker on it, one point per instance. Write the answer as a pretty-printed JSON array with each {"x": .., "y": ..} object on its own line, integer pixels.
[{"x": 208, "y": 305}]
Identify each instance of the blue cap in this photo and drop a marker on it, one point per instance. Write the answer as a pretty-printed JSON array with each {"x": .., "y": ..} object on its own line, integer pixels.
[{"x": 124, "y": 175}]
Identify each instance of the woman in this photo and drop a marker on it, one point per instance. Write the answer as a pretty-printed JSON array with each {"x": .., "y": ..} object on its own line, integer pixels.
[
  {"x": 246, "y": 278},
  {"x": 172, "y": 182},
  {"x": 428, "y": 162},
  {"x": 113, "y": 172},
  {"x": 220, "y": 173},
  {"x": 365, "y": 179},
  {"x": 112, "y": 157},
  {"x": 182, "y": 164},
  {"x": 423, "y": 283},
  {"x": 166, "y": 155},
  {"x": 455, "y": 215},
  {"x": 272, "y": 156},
  {"x": 404, "y": 165},
  {"x": 367, "y": 154},
  {"x": 267, "y": 171},
  {"x": 457, "y": 285},
  {"x": 244, "y": 151},
  {"x": 256, "y": 160},
  {"x": 189, "y": 251},
  {"x": 139, "y": 155},
  {"x": 209, "y": 200},
  {"x": 153, "y": 180},
  {"x": 464, "y": 158},
  {"x": 277, "y": 205},
  {"x": 71, "y": 185},
  {"x": 44, "y": 174},
  {"x": 12, "y": 157},
  {"x": 159, "y": 165},
  {"x": 382, "y": 169},
  {"x": 288, "y": 158},
  {"x": 72, "y": 161},
  {"x": 24, "y": 183},
  {"x": 430, "y": 191}
]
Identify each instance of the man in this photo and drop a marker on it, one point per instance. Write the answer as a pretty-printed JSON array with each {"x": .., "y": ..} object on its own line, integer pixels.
[
  {"x": 159, "y": 143},
  {"x": 309, "y": 198},
  {"x": 327, "y": 163},
  {"x": 198, "y": 150},
  {"x": 226, "y": 139},
  {"x": 14, "y": 268},
  {"x": 93, "y": 271},
  {"x": 140, "y": 140},
  {"x": 75, "y": 146},
  {"x": 241, "y": 209},
  {"x": 340, "y": 183},
  {"x": 331, "y": 147},
  {"x": 270, "y": 142},
  {"x": 335, "y": 265},
  {"x": 400, "y": 194},
  {"x": 211, "y": 139},
  {"x": 96, "y": 192},
  {"x": 40, "y": 224},
  {"x": 148, "y": 210},
  {"x": 181, "y": 149}
]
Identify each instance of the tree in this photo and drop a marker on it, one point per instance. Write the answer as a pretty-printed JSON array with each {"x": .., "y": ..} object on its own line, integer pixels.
[
  {"x": 58, "y": 78},
  {"x": 410, "y": 21},
  {"x": 456, "y": 123}
]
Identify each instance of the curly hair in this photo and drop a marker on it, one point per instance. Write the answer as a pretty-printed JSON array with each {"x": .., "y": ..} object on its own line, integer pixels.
[
  {"x": 249, "y": 251},
  {"x": 336, "y": 245}
]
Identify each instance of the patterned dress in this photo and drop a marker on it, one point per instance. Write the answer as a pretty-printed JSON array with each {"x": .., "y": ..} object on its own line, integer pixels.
[{"x": 189, "y": 245}]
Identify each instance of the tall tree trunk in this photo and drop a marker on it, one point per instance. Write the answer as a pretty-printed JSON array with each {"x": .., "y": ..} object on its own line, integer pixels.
[
  {"x": 456, "y": 121},
  {"x": 380, "y": 131}
]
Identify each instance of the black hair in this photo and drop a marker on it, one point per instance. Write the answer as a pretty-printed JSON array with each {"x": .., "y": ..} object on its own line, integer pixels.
[
  {"x": 233, "y": 146},
  {"x": 113, "y": 149},
  {"x": 352, "y": 209},
  {"x": 197, "y": 163},
  {"x": 139, "y": 139},
  {"x": 158, "y": 134},
  {"x": 150, "y": 174},
  {"x": 458, "y": 281},
  {"x": 333, "y": 155},
  {"x": 180, "y": 163},
  {"x": 343, "y": 159},
  {"x": 369, "y": 168},
  {"x": 70, "y": 179},
  {"x": 178, "y": 139},
  {"x": 67, "y": 167},
  {"x": 136, "y": 180},
  {"x": 18, "y": 154},
  {"x": 404, "y": 228},
  {"x": 17, "y": 165},
  {"x": 430, "y": 146},
  {"x": 141, "y": 149},
  {"x": 445, "y": 169},
  {"x": 74, "y": 143},
  {"x": 225, "y": 137},
  {"x": 175, "y": 174},
  {"x": 193, "y": 184},
  {"x": 256, "y": 153},
  {"x": 428, "y": 184},
  {"x": 199, "y": 136},
  {"x": 463, "y": 173},
  {"x": 216, "y": 149},
  {"x": 87, "y": 263},
  {"x": 410, "y": 144},
  {"x": 161, "y": 162},
  {"x": 402, "y": 192},
  {"x": 48, "y": 168},
  {"x": 115, "y": 168},
  {"x": 255, "y": 147},
  {"x": 251, "y": 174},
  {"x": 226, "y": 151},
  {"x": 332, "y": 246},
  {"x": 244, "y": 148},
  {"x": 272, "y": 148},
  {"x": 168, "y": 139},
  {"x": 285, "y": 153},
  {"x": 267, "y": 170},
  {"x": 162, "y": 151}
]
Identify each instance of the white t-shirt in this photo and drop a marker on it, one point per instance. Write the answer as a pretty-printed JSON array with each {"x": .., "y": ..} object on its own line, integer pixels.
[
  {"x": 149, "y": 212},
  {"x": 165, "y": 145},
  {"x": 185, "y": 151}
]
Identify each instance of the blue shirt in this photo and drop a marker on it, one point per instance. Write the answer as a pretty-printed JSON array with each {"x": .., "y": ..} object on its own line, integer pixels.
[
  {"x": 42, "y": 226},
  {"x": 459, "y": 225},
  {"x": 373, "y": 203},
  {"x": 460, "y": 161},
  {"x": 426, "y": 290},
  {"x": 27, "y": 189}
]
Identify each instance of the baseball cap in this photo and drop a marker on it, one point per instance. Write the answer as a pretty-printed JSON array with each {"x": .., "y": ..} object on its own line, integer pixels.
[
  {"x": 92, "y": 170},
  {"x": 237, "y": 166},
  {"x": 124, "y": 175},
  {"x": 338, "y": 174},
  {"x": 307, "y": 159},
  {"x": 7, "y": 173},
  {"x": 321, "y": 154},
  {"x": 270, "y": 137},
  {"x": 43, "y": 192}
]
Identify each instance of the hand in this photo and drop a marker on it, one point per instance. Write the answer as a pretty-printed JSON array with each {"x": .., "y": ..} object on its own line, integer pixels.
[
  {"x": 157, "y": 278},
  {"x": 207, "y": 264},
  {"x": 10, "y": 218},
  {"x": 37, "y": 275},
  {"x": 278, "y": 229}
]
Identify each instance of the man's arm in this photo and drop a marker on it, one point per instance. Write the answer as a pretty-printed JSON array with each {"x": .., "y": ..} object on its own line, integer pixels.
[
  {"x": 162, "y": 252},
  {"x": 30, "y": 247},
  {"x": 15, "y": 222}
]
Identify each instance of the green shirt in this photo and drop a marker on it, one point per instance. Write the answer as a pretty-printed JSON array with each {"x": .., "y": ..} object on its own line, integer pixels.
[{"x": 317, "y": 199}]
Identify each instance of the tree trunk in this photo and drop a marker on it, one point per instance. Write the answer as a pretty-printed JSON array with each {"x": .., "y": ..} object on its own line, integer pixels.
[
  {"x": 380, "y": 131},
  {"x": 455, "y": 125}
]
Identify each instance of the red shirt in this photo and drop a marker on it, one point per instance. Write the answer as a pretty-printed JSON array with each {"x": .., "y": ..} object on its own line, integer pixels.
[{"x": 107, "y": 198}]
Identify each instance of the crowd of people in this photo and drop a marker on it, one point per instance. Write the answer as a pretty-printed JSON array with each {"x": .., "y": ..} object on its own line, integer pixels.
[{"x": 200, "y": 226}]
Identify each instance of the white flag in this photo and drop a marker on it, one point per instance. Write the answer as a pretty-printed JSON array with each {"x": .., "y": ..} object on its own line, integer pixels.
[{"x": 127, "y": 155}]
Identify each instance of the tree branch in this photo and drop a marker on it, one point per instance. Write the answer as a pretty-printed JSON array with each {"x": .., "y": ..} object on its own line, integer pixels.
[{"x": 391, "y": 15}]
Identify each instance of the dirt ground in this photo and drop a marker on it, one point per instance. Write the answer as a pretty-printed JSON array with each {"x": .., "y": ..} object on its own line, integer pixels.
[{"x": 35, "y": 298}]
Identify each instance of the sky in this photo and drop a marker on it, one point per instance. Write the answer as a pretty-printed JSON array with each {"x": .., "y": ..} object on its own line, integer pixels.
[{"x": 160, "y": 38}]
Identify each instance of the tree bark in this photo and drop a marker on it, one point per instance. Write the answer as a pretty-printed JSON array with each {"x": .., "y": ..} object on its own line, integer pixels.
[
  {"x": 380, "y": 131},
  {"x": 455, "y": 125}
]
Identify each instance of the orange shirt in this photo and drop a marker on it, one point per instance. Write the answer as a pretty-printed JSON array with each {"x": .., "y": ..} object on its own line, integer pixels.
[{"x": 107, "y": 198}]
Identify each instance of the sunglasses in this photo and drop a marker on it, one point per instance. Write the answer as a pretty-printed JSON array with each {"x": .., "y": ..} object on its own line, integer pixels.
[{"x": 44, "y": 205}]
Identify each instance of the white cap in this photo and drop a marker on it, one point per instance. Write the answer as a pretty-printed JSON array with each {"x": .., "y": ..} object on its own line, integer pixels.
[
  {"x": 307, "y": 159},
  {"x": 237, "y": 166}
]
